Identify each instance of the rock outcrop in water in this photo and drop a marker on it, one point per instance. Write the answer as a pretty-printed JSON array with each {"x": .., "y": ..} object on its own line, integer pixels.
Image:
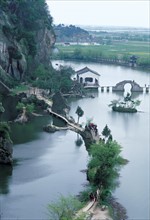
[
  {"x": 6, "y": 149},
  {"x": 59, "y": 104}
]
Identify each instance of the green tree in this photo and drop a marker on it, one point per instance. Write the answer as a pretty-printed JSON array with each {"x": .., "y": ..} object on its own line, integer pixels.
[
  {"x": 104, "y": 166},
  {"x": 136, "y": 103},
  {"x": 65, "y": 78},
  {"x": 78, "y": 53},
  {"x": 29, "y": 107},
  {"x": 53, "y": 80},
  {"x": 79, "y": 112},
  {"x": 20, "y": 106},
  {"x": 41, "y": 73},
  {"x": 106, "y": 132},
  {"x": 114, "y": 103},
  {"x": 64, "y": 209}
]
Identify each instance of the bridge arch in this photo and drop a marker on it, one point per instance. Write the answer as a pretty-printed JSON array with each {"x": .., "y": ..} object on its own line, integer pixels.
[{"x": 135, "y": 87}]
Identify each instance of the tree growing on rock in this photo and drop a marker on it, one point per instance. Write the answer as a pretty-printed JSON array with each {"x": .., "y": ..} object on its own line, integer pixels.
[{"x": 25, "y": 110}]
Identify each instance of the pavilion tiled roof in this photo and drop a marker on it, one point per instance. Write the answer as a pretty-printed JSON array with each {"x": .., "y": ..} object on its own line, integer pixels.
[{"x": 86, "y": 69}]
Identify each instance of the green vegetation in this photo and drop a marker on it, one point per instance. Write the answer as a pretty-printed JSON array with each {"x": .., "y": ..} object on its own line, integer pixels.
[
  {"x": 27, "y": 17},
  {"x": 29, "y": 107},
  {"x": 70, "y": 33},
  {"x": 127, "y": 105},
  {"x": 20, "y": 88},
  {"x": 109, "y": 34},
  {"x": 79, "y": 112},
  {"x": 25, "y": 26},
  {"x": 65, "y": 208},
  {"x": 116, "y": 52},
  {"x": 6, "y": 79},
  {"x": 103, "y": 167},
  {"x": 4, "y": 132},
  {"x": 51, "y": 79},
  {"x": 107, "y": 134}
]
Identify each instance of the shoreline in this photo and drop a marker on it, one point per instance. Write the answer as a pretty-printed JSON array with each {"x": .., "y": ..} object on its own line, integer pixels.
[{"x": 103, "y": 62}]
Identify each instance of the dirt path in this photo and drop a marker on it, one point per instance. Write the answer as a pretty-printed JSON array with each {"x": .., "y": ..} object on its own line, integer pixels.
[
  {"x": 98, "y": 214},
  {"x": 94, "y": 212}
]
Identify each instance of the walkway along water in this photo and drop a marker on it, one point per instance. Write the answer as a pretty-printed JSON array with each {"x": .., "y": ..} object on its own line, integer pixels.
[
  {"x": 89, "y": 135},
  {"x": 91, "y": 209}
]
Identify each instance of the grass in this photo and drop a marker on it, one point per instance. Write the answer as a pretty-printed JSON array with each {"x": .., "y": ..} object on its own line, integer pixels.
[{"x": 117, "y": 50}]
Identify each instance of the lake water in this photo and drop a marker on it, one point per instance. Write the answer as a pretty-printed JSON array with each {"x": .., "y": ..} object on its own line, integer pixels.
[{"x": 47, "y": 165}]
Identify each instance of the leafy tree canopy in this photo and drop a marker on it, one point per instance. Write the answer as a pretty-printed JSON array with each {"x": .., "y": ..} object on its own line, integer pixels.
[
  {"x": 53, "y": 80},
  {"x": 104, "y": 165},
  {"x": 64, "y": 209},
  {"x": 79, "y": 112}
]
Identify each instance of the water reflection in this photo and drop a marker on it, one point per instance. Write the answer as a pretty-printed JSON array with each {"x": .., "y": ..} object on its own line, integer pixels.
[
  {"x": 121, "y": 95},
  {"x": 79, "y": 141},
  {"x": 29, "y": 131},
  {"x": 57, "y": 122},
  {"x": 127, "y": 89},
  {"x": 5, "y": 176}
]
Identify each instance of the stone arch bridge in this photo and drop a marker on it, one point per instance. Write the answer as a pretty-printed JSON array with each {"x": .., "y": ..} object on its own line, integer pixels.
[{"x": 134, "y": 86}]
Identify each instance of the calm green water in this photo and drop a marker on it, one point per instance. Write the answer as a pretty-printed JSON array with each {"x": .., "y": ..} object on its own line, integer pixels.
[{"x": 47, "y": 165}]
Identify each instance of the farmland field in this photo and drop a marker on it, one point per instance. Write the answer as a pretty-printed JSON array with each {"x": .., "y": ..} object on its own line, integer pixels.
[{"x": 108, "y": 46}]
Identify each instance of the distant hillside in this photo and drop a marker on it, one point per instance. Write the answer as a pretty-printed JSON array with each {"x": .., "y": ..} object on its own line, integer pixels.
[{"x": 71, "y": 33}]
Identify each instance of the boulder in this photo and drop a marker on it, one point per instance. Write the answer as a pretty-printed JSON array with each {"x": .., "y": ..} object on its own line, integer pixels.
[
  {"x": 59, "y": 104},
  {"x": 6, "y": 152}
]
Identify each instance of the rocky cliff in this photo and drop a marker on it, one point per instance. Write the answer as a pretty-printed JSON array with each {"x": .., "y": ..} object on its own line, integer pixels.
[
  {"x": 6, "y": 149},
  {"x": 26, "y": 37}
]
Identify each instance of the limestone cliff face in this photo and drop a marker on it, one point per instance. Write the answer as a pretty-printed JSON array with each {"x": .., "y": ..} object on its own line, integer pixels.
[
  {"x": 6, "y": 151},
  {"x": 45, "y": 40},
  {"x": 15, "y": 58}
]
